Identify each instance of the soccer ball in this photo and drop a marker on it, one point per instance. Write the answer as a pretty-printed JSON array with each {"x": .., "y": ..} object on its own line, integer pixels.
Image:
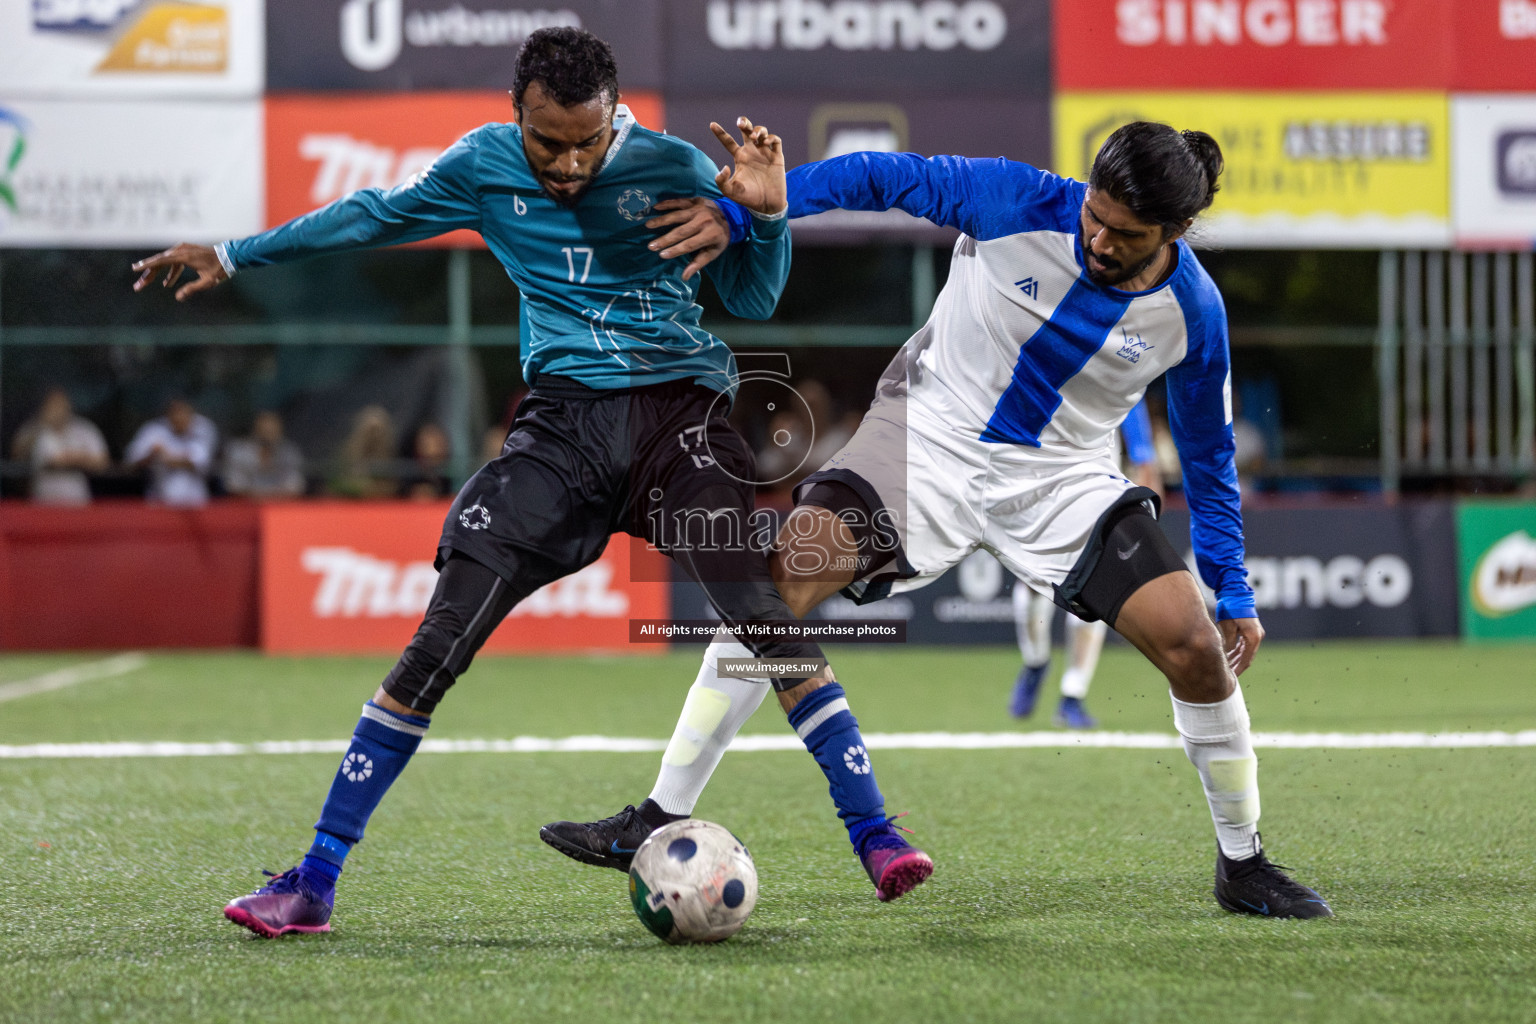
[{"x": 692, "y": 881}]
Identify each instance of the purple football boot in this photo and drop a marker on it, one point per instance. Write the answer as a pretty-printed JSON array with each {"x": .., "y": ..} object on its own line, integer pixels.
[
  {"x": 895, "y": 866},
  {"x": 285, "y": 904}
]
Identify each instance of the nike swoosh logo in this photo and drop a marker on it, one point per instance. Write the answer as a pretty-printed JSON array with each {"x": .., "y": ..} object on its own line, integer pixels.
[
  {"x": 1127, "y": 554},
  {"x": 1262, "y": 910},
  {"x": 614, "y": 847}
]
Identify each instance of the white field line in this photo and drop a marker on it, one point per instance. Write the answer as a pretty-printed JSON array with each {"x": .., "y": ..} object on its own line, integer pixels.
[
  {"x": 58, "y": 679},
  {"x": 875, "y": 741}
]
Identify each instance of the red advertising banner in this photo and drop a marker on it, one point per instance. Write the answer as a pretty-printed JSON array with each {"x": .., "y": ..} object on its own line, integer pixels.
[
  {"x": 1496, "y": 45},
  {"x": 1256, "y": 44},
  {"x": 321, "y": 147},
  {"x": 356, "y": 578}
]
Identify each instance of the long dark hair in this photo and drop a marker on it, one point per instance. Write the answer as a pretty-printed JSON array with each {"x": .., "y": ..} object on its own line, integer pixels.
[
  {"x": 1165, "y": 176},
  {"x": 572, "y": 63}
]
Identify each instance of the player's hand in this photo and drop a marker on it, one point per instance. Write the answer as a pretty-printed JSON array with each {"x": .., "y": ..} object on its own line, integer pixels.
[
  {"x": 1240, "y": 638},
  {"x": 200, "y": 259},
  {"x": 697, "y": 226},
  {"x": 757, "y": 181}
]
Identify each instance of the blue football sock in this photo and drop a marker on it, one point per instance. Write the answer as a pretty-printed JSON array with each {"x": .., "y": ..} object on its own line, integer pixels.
[
  {"x": 382, "y": 744},
  {"x": 831, "y": 734}
]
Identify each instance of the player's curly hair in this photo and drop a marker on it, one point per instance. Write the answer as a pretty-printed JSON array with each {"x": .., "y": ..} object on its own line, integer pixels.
[
  {"x": 1165, "y": 176},
  {"x": 572, "y": 64}
]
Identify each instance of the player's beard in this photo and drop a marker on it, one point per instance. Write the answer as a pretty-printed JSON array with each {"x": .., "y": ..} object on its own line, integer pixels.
[
  {"x": 567, "y": 200},
  {"x": 1114, "y": 272}
]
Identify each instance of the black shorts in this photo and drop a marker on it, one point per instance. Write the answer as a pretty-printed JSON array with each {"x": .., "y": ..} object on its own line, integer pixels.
[{"x": 581, "y": 464}]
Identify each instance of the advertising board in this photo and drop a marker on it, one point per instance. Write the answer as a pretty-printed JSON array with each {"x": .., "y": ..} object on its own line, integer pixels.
[
  {"x": 414, "y": 45},
  {"x": 131, "y": 48},
  {"x": 356, "y": 578},
  {"x": 902, "y": 48},
  {"x": 320, "y": 147},
  {"x": 1493, "y": 170},
  {"x": 1497, "y": 546},
  {"x": 1354, "y": 170},
  {"x": 1253, "y": 44},
  {"x": 128, "y": 173}
]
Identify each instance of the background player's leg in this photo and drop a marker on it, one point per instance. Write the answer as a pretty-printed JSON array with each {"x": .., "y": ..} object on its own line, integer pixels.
[
  {"x": 1085, "y": 642},
  {"x": 1032, "y": 614}
]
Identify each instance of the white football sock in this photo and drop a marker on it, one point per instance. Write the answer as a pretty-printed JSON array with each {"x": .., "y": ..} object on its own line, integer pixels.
[
  {"x": 1032, "y": 614},
  {"x": 715, "y": 710},
  {"x": 1085, "y": 641},
  {"x": 1217, "y": 741}
]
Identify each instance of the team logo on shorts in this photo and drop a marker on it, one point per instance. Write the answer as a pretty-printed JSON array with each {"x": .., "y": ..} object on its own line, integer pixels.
[
  {"x": 357, "y": 767},
  {"x": 634, "y": 204},
  {"x": 475, "y": 517},
  {"x": 857, "y": 760}
]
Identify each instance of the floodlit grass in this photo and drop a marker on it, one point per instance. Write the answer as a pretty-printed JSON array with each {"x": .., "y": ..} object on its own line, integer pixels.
[{"x": 1071, "y": 885}]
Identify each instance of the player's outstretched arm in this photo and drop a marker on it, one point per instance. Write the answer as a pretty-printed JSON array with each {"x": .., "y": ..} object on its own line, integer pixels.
[
  {"x": 757, "y": 181},
  {"x": 176, "y": 261}
]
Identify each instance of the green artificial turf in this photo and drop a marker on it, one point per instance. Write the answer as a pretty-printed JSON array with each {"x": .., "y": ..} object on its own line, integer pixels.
[{"x": 1071, "y": 885}]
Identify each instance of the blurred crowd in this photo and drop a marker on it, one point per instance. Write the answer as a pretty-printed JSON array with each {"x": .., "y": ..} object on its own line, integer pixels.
[{"x": 179, "y": 458}]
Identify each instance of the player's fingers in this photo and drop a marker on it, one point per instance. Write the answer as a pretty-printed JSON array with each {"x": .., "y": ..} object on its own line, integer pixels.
[
  {"x": 172, "y": 274},
  {"x": 668, "y": 219},
  {"x": 725, "y": 138},
  {"x": 691, "y": 241},
  {"x": 744, "y": 125},
  {"x": 723, "y": 178},
  {"x": 695, "y": 265},
  {"x": 673, "y": 204},
  {"x": 150, "y": 262},
  {"x": 674, "y": 242},
  {"x": 144, "y": 279},
  {"x": 191, "y": 288}
]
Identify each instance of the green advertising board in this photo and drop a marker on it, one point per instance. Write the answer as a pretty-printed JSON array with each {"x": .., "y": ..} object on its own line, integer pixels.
[{"x": 1496, "y": 545}]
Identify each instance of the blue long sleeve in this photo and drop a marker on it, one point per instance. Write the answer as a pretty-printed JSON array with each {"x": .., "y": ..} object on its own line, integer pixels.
[
  {"x": 1200, "y": 419},
  {"x": 983, "y": 198}
]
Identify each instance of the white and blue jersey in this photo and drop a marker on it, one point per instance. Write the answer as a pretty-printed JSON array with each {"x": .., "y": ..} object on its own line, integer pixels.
[
  {"x": 598, "y": 306},
  {"x": 1023, "y": 349}
]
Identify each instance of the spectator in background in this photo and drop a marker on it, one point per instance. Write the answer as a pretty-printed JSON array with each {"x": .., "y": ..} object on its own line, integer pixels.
[
  {"x": 426, "y": 478},
  {"x": 266, "y": 464},
  {"x": 367, "y": 465},
  {"x": 63, "y": 448},
  {"x": 177, "y": 449}
]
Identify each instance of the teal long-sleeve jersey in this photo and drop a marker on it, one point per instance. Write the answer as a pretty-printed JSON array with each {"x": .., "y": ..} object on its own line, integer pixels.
[{"x": 598, "y": 306}]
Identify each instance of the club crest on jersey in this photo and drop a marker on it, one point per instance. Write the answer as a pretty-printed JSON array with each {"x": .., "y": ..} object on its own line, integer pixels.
[
  {"x": 1132, "y": 348},
  {"x": 476, "y": 517},
  {"x": 634, "y": 204}
]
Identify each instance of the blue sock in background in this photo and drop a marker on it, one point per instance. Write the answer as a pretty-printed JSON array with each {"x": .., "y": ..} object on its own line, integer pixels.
[
  {"x": 831, "y": 734},
  {"x": 382, "y": 744}
]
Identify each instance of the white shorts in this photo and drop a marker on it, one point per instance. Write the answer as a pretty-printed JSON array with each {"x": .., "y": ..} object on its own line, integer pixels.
[{"x": 949, "y": 493}]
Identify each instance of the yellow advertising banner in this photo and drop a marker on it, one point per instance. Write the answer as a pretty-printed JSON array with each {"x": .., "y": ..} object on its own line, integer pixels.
[{"x": 1345, "y": 169}]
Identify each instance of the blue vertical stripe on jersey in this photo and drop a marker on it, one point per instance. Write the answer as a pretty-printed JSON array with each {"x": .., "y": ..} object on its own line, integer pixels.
[{"x": 1053, "y": 355}]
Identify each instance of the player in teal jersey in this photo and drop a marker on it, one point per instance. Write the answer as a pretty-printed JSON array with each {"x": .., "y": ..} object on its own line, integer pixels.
[{"x": 623, "y": 431}]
